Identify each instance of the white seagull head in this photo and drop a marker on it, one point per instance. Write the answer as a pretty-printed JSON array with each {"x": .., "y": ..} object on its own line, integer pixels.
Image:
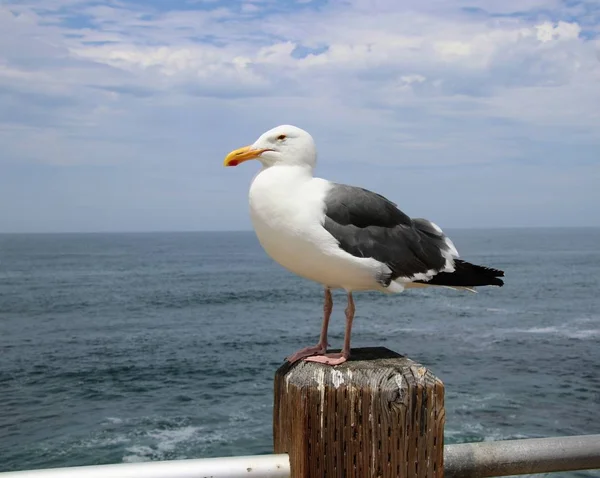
[{"x": 283, "y": 145}]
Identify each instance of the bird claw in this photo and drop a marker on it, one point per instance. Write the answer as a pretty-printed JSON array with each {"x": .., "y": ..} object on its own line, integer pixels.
[
  {"x": 328, "y": 359},
  {"x": 307, "y": 352}
]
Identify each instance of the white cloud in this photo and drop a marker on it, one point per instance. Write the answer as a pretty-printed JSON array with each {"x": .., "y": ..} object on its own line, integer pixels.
[{"x": 561, "y": 31}]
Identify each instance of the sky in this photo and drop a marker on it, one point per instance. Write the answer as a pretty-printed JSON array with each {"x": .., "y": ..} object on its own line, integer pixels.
[{"x": 117, "y": 115}]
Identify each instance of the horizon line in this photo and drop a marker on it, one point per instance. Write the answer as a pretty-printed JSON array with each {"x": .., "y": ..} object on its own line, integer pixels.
[{"x": 217, "y": 231}]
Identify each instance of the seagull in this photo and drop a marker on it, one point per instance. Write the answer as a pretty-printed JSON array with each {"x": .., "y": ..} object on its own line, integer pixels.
[{"x": 342, "y": 236}]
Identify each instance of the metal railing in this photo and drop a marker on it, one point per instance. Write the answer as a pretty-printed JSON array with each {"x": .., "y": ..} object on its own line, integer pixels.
[
  {"x": 468, "y": 460},
  {"x": 258, "y": 466},
  {"x": 522, "y": 457}
]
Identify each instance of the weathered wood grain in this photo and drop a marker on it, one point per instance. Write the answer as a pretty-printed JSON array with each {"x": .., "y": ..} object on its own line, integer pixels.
[{"x": 378, "y": 415}]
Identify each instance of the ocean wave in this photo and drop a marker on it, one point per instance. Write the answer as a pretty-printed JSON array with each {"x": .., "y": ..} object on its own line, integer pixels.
[
  {"x": 174, "y": 443},
  {"x": 562, "y": 330},
  {"x": 478, "y": 432}
]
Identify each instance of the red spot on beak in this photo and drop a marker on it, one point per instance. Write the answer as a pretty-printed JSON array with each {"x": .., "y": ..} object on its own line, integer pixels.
[{"x": 233, "y": 163}]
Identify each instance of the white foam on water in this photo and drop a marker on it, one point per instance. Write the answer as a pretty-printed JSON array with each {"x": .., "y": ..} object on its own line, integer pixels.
[
  {"x": 104, "y": 441},
  {"x": 138, "y": 454},
  {"x": 569, "y": 330},
  {"x": 161, "y": 444},
  {"x": 539, "y": 330},
  {"x": 114, "y": 420},
  {"x": 472, "y": 402},
  {"x": 583, "y": 334},
  {"x": 412, "y": 329},
  {"x": 168, "y": 440},
  {"x": 587, "y": 320},
  {"x": 485, "y": 433},
  {"x": 239, "y": 416}
]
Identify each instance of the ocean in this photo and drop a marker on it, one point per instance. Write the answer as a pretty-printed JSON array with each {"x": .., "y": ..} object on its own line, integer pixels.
[{"x": 134, "y": 347}]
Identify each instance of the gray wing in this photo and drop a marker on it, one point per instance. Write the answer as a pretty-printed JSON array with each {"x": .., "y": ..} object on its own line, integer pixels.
[{"x": 367, "y": 224}]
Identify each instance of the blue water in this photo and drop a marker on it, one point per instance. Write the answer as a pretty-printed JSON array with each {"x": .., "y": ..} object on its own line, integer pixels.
[{"x": 132, "y": 347}]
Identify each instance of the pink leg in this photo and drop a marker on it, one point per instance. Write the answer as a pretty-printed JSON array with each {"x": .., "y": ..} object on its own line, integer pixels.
[
  {"x": 339, "y": 358},
  {"x": 321, "y": 347}
]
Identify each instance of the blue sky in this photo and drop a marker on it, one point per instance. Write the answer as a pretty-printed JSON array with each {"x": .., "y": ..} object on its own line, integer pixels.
[{"x": 116, "y": 115}]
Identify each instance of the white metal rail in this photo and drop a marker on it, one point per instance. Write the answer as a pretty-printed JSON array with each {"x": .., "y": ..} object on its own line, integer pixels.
[
  {"x": 258, "y": 466},
  {"x": 469, "y": 460}
]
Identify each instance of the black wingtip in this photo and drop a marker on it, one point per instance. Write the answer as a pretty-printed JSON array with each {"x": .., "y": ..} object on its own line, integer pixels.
[
  {"x": 468, "y": 275},
  {"x": 497, "y": 282}
]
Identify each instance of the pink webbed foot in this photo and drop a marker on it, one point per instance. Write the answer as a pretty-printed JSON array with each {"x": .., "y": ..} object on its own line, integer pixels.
[
  {"x": 306, "y": 352},
  {"x": 328, "y": 359}
]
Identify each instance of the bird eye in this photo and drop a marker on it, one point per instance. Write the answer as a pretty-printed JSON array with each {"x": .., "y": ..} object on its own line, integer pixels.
[{"x": 281, "y": 137}]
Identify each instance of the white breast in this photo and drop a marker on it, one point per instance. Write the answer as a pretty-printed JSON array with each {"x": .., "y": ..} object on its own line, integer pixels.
[{"x": 287, "y": 210}]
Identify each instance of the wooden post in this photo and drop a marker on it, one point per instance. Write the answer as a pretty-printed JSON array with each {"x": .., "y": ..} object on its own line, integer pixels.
[{"x": 378, "y": 415}]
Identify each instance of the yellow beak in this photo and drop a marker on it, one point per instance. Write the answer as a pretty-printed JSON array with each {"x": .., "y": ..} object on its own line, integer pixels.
[{"x": 242, "y": 154}]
